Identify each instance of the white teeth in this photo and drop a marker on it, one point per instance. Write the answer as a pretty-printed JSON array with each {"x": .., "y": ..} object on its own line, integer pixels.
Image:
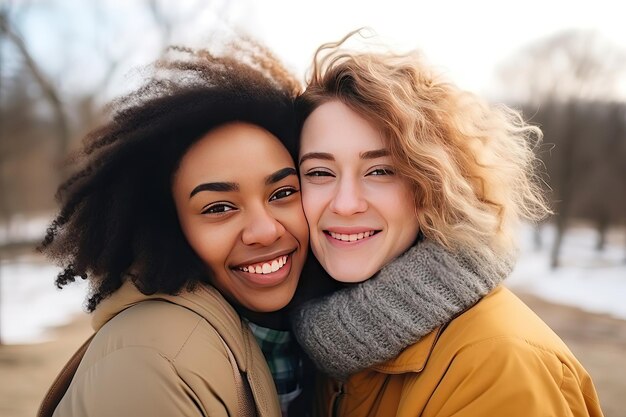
[
  {"x": 351, "y": 238},
  {"x": 267, "y": 267}
]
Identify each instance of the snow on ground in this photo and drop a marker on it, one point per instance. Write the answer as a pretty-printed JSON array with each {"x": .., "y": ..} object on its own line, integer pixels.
[
  {"x": 593, "y": 280},
  {"x": 30, "y": 304},
  {"x": 24, "y": 229}
]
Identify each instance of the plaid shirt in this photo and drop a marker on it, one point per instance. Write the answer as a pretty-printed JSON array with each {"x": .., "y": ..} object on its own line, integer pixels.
[{"x": 284, "y": 363}]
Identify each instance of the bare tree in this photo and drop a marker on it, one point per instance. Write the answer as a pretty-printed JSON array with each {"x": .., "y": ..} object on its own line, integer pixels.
[
  {"x": 571, "y": 65},
  {"x": 47, "y": 89},
  {"x": 570, "y": 84},
  {"x": 41, "y": 115},
  {"x": 168, "y": 19}
]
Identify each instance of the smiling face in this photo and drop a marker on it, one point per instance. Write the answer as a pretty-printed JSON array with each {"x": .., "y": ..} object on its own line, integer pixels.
[
  {"x": 238, "y": 202},
  {"x": 361, "y": 214}
]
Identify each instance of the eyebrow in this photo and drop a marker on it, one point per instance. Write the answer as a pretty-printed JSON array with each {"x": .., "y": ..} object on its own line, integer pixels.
[
  {"x": 378, "y": 153},
  {"x": 279, "y": 175},
  {"x": 215, "y": 186},
  {"x": 232, "y": 186},
  {"x": 317, "y": 155}
]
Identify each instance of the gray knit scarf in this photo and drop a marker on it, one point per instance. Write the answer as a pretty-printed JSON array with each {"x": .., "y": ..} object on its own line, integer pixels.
[{"x": 372, "y": 322}]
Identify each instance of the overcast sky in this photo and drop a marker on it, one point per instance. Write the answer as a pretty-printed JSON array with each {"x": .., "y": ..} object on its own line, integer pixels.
[{"x": 467, "y": 40}]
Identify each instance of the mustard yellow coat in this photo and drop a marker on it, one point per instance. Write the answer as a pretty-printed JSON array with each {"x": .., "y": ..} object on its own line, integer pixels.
[{"x": 496, "y": 359}]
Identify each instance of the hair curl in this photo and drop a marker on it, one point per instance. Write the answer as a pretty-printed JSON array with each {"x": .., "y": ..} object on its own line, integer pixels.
[
  {"x": 117, "y": 218},
  {"x": 471, "y": 165}
]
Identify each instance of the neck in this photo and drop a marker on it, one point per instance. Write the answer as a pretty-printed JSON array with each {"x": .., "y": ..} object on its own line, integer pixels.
[{"x": 276, "y": 320}]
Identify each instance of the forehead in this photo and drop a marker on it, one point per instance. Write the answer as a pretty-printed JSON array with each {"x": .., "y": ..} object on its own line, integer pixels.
[
  {"x": 231, "y": 139},
  {"x": 334, "y": 126},
  {"x": 231, "y": 151}
]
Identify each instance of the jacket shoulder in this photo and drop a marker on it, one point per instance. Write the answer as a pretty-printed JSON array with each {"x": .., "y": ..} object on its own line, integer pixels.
[
  {"x": 500, "y": 357},
  {"x": 154, "y": 358},
  {"x": 502, "y": 315},
  {"x": 159, "y": 325},
  {"x": 500, "y": 319},
  {"x": 502, "y": 327}
]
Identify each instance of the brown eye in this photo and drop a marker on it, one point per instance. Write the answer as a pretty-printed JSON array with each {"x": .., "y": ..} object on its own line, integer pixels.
[
  {"x": 283, "y": 193},
  {"x": 380, "y": 171},
  {"x": 318, "y": 173},
  {"x": 218, "y": 208}
]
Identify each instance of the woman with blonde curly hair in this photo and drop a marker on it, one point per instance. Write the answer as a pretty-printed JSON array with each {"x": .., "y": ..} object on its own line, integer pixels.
[{"x": 409, "y": 182}]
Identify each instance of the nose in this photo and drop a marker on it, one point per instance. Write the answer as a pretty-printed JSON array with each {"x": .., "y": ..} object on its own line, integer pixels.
[
  {"x": 348, "y": 198},
  {"x": 262, "y": 228}
]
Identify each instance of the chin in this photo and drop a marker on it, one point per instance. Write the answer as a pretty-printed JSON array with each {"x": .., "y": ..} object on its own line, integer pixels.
[
  {"x": 268, "y": 308},
  {"x": 349, "y": 277},
  {"x": 273, "y": 302}
]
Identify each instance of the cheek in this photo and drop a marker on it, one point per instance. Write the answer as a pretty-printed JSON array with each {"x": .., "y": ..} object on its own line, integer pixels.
[
  {"x": 295, "y": 223},
  {"x": 399, "y": 206},
  {"x": 212, "y": 246},
  {"x": 313, "y": 203}
]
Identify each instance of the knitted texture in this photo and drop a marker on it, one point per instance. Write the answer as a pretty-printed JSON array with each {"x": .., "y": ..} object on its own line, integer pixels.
[{"x": 371, "y": 322}]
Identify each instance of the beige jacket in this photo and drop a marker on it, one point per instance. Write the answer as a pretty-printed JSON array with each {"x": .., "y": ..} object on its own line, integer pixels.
[{"x": 161, "y": 355}]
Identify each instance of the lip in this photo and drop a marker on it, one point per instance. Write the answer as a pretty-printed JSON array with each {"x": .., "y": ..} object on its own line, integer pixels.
[
  {"x": 266, "y": 280},
  {"x": 263, "y": 258},
  {"x": 350, "y": 244},
  {"x": 351, "y": 230}
]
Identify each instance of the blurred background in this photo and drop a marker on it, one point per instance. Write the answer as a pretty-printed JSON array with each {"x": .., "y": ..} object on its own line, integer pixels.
[{"x": 562, "y": 63}]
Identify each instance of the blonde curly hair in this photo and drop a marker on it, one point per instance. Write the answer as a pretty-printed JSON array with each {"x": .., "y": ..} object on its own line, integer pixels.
[{"x": 471, "y": 165}]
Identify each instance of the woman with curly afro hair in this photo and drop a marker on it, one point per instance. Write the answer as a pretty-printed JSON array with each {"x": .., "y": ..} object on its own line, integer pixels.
[{"x": 184, "y": 215}]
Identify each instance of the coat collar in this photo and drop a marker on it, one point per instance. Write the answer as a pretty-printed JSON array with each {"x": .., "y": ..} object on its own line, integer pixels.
[
  {"x": 205, "y": 301},
  {"x": 413, "y": 358}
]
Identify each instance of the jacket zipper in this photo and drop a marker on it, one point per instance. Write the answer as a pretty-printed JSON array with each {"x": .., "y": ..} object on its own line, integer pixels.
[{"x": 336, "y": 402}]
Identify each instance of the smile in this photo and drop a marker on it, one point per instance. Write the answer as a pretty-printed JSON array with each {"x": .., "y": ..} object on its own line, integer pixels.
[
  {"x": 353, "y": 237},
  {"x": 266, "y": 267}
]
